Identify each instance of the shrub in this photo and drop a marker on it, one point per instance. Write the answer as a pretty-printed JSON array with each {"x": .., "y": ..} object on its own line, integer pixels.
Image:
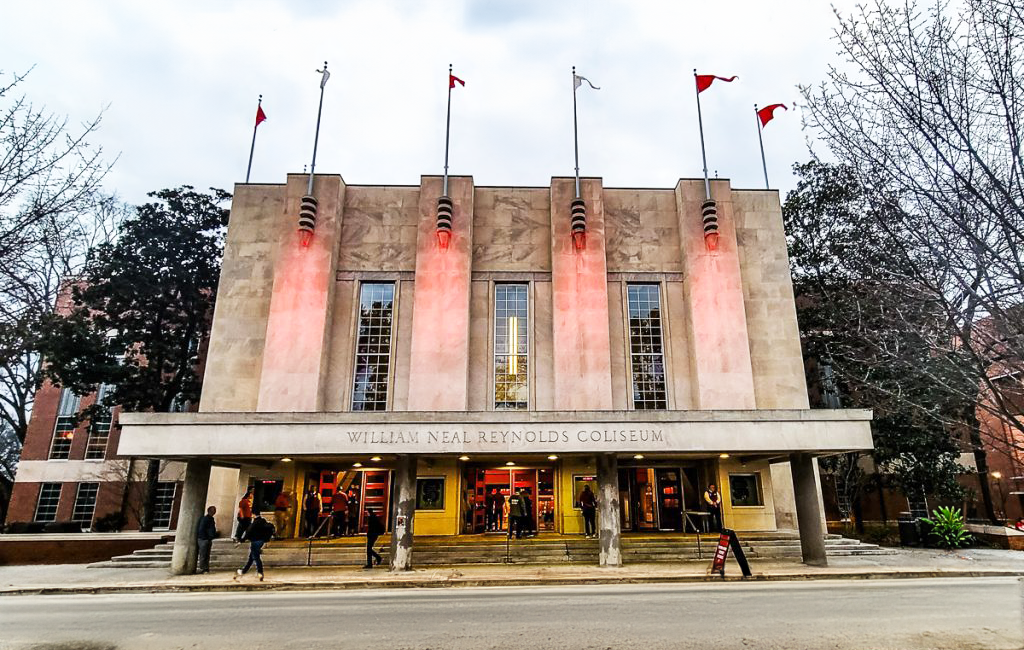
[
  {"x": 110, "y": 523},
  {"x": 948, "y": 528}
]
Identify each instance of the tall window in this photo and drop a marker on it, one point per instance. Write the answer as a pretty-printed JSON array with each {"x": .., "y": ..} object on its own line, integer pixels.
[
  {"x": 85, "y": 503},
  {"x": 511, "y": 346},
  {"x": 46, "y": 506},
  {"x": 647, "y": 360},
  {"x": 99, "y": 429},
  {"x": 64, "y": 430},
  {"x": 373, "y": 347},
  {"x": 164, "y": 504}
]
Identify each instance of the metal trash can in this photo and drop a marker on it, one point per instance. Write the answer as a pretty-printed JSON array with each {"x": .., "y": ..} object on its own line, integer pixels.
[{"x": 910, "y": 530}]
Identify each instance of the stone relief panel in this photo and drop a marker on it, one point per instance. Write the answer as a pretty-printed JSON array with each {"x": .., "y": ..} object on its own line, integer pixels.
[
  {"x": 642, "y": 231},
  {"x": 378, "y": 231},
  {"x": 512, "y": 229}
]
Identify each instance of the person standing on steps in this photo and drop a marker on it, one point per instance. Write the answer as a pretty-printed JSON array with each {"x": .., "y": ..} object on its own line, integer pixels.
[
  {"x": 588, "y": 504},
  {"x": 339, "y": 514},
  {"x": 244, "y": 515},
  {"x": 282, "y": 504},
  {"x": 374, "y": 529},
  {"x": 311, "y": 507},
  {"x": 260, "y": 532},
  {"x": 713, "y": 501},
  {"x": 516, "y": 514},
  {"x": 206, "y": 532}
]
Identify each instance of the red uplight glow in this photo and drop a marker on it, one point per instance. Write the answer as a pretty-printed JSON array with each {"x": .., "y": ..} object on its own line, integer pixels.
[
  {"x": 711, "y": 241},
  {"x": 305, "y": 236},
  {"x": 444, "y": 237},
  {"x": 579, "y": 239}
]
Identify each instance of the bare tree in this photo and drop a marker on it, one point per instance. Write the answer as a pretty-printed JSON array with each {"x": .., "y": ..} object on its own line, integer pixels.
[
  {"x": 927, "y": 109},
  {"x": 52, "y": 211}
]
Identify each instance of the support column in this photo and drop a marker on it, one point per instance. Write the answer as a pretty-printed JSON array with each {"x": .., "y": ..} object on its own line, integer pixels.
[
  {"x": 808, "y": 510},
  {"x": 609, "y": 529},
  {"x": 404, "y": 509},
  {"x": 193, "y": 506}
]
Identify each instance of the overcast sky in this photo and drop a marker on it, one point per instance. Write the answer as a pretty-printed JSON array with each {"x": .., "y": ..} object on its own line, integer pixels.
[{"x": 179, "y": 80}]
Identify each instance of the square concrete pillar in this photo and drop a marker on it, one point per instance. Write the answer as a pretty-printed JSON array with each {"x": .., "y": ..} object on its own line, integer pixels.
[
  {"x": 404, "y": 509},
  {"x": 579, "y": 285},
  {"x": 609, "y": 526},
  {"x": 439, "y": 356},
  {"x": 298, "y": 326},
  {"x": 722, "y": 375},
  {"x": 193, "y": 505},
  {"x": 808, "y": 509}
]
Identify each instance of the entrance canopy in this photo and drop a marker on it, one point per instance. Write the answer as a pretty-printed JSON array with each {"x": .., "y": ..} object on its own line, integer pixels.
[{"x": 761, "y": 433}]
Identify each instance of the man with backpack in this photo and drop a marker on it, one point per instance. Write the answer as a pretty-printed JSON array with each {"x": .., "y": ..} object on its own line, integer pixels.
[{"x": 260, "y": 532}]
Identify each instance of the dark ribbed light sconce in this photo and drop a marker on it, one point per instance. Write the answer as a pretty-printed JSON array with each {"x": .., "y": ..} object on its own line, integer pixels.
[
  {"x": 579, "y": 223},
  {"x": 307, "y": 219},
  {"x": 444, "y": 222},
  {"x": 709, "y": 212}
]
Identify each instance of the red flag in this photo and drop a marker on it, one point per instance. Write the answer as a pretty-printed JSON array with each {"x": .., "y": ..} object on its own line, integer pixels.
[
  {"x": 767, "y": 113},
  {"x": 452, "y": 79},
  {"x": 704, "y": 81},
  {"x": 260, "y": 115}
]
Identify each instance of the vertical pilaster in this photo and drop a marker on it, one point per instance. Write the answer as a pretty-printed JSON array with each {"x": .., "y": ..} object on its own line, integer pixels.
[
  {"x": 295, "y": 353},
  {"x": 808, "y": 509},
  {"x": 439, "y": 356},
  {"x": 719, "y": 346},
  {"x": 579, "y": 284},
  {"x": 193, "y": 505},
  {"x": 609, "y": 527},
  {"x": 404, "y": 510}
]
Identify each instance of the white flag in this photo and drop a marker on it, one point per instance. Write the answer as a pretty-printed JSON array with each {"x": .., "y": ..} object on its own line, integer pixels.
[
  {"x": 577, "y": 81},
  {"x": 327, "y": 75}
]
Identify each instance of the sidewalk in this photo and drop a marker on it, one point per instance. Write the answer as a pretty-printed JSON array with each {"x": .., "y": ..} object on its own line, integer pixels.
[{"x": 907, "y": 563}]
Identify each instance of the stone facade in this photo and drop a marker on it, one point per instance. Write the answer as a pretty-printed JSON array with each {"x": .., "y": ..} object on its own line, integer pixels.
[{"x": 287, "y": 318}]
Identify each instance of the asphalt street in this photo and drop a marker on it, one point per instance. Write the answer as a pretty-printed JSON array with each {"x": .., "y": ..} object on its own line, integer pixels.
[{"x": 928, "y": 613}]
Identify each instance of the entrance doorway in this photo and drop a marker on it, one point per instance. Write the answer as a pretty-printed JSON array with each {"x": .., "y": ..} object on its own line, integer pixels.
[
  {"x": 366, "y": 489},
  {"x": 488, "y": 490},
  {"x": 658, "y": 498}
]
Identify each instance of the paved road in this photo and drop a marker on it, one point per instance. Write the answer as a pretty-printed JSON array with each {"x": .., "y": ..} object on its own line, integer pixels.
[{"x": 941, "y": 613}]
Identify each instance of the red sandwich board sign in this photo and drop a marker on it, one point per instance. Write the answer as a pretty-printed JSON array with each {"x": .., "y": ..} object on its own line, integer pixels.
[{"x": 725, "y": 540}]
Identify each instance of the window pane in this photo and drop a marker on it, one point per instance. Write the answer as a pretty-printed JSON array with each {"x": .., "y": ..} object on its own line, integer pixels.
[
  {"x": 430, "y": 494},
  {"x": 511, "y": 346},
  {"x": 647, "y": 361},
  {"x": 164, "y": 504},
  {"x": 46, "y": 505},
  {"x": 745, "y": 490},
  {"x": 373, "y": 347},
  {"x": 63, "y": 435},
  {"x": 85, "y": 503},
  {"x": 99, "y": 434}
]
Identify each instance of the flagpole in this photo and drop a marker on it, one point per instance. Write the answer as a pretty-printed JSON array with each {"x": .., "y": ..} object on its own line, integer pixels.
[
  {"x": 760, "y": 141},
  {"x": 316, "y": 137},
  {"x": 703, "y": 154},
  {"x": 447, "y": 131},
  {"x": 575, "y": 132},
  {"x": 253, "y": 147}
]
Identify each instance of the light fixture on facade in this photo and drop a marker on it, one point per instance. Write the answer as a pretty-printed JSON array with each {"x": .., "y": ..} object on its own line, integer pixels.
[
  {"x": 357, "y": 464},
  {"x": 510, "y": 464},
  {"x": 723, "y": 455},
  {"x": 444, "y": 221},
  {"x": 307, "y": 219},
  {"x": 286, "y": 460},
  {"x": 578, "y": 222},
  {"x": 375, "y": 459},
  {"x": 463, "y": 458},
  {"x": 638, "y": 457},
  {"x": 709, "y": 214},
  {"x": 552, "y": 457},
  {"x": 997, "y": 475}
]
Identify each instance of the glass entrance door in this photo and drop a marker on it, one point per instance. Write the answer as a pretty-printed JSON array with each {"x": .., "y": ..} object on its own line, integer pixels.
[{"x": 491, "y": 489}]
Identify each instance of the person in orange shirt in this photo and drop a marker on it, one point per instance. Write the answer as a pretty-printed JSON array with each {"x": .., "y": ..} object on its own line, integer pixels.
[
  {"x": 244, "y": 516},
  {"x": 339, "y": 513},
  {"x": 282, "y": 504}
]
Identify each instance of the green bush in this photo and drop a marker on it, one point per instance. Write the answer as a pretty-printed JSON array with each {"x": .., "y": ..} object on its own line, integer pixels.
[
  {"x": 110, "y": 523},
  {"x": 948, "y": 528}
]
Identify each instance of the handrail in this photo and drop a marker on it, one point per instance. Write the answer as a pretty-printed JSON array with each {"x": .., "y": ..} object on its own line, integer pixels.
[{"x": 309, "y": 548}]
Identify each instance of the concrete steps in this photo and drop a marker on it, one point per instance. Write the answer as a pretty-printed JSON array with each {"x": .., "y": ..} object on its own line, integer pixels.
[{"x": 438, "y": 551}]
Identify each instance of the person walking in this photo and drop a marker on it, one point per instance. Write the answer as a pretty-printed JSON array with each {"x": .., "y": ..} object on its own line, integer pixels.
[
  {"x": 713, "y": 501},
  {"x": 516, "y": 512},
  {"x": 339, "y": 514},
  {"x": 312, "y": 506},
  {"x": 374, "y": 529},
  {"x": 244, "y": 516},
  {"x": 588, "y": 504},
  {"x": 498, "y": 510},
  {"x": 206, "y": 532},
  {"x": 282, "y": 504},
  {"x": 260, "y": 532}
]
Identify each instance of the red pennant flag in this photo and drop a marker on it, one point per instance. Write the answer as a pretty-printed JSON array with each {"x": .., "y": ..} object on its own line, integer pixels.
[
  {"x": 452, "y": 79},
  {"x": 767, "y": 113},
  {"x": 704, "y": 81},
  {"x": 260, "y": 115}
]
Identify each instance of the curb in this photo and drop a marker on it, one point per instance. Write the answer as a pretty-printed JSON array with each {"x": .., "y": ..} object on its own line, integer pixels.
[{"x": 490, "y": 582}]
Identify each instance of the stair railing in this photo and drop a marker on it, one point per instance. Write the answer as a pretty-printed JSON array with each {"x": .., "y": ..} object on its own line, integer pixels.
[{"x": 316, "y": 533}]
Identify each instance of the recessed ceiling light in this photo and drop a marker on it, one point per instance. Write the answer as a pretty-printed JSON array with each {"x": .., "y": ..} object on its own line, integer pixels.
[
  {"x": 375, "y": 459},
  {"x": 357, "y": 464},
  {"x": 463, "y": 457},
  {"x": 510, "y": 463},
  {"x": 723, "y": 455},
  {"x": 552, "y": 457},
  {"x": 639, "y": 457},
  {"x": 286, "y": 460}
]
